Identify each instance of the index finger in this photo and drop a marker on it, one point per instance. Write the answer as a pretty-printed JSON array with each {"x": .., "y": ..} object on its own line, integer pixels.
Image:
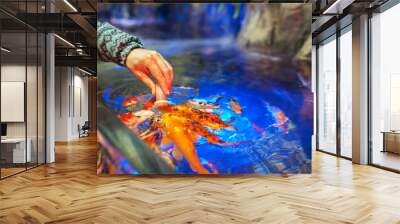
[
  {"x": 155, "y": 70},
  {"x": 169, "y": 71}
]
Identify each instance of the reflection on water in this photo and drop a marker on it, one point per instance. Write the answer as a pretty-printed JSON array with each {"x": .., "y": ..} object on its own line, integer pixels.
[{"x": 274, "y": 121}]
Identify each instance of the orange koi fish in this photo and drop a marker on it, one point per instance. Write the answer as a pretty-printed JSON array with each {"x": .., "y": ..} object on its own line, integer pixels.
[
  {"x": 211, "y": 120},
  {"x": 201, "y": 105},
  {"x": 180, "y": 125},
  {"x": 281, "y": 120},
  {"x": 204, "y": 118},
  {"x": 235, "y": 106},
  {"x": 204, "y": 132},
  {"x": 183, "y": 132},
  {"x": 281, "y": 117},
  {"x": 175, "y": 130},
  {"x": 210, "y": 137}
]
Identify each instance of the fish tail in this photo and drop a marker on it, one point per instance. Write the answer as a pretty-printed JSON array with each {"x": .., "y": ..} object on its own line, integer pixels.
[
  {"x": 196, "y": 166},
  {"x": 189, "y": 153},
  {"x": 194, "y": 161}
]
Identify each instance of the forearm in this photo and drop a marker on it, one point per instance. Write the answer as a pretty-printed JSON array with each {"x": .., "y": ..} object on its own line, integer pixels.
[{"x": 113, "y": 44}]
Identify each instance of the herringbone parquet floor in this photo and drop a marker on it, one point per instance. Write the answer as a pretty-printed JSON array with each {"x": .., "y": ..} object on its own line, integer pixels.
[{"x": 70, "y": 192}]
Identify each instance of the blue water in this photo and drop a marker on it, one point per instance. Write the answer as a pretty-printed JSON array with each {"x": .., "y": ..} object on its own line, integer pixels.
[{"x": 227, "y": 72}]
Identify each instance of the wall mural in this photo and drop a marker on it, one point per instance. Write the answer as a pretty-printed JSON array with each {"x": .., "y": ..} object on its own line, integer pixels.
[{"x": 196, "y": 88}]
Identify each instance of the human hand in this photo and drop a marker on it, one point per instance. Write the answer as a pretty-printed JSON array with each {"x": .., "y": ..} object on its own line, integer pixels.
[{"x": 153, "y": 70}]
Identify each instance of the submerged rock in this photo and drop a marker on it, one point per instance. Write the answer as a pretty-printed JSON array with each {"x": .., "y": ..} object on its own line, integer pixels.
[{"x": 282, "y": 29}]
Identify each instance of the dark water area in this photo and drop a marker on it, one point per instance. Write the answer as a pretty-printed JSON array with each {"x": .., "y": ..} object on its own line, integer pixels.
[
  {"x": 275, "y": 126},
  {"x": 233, "y": 73},
  {"x": 183, "y": 20}
]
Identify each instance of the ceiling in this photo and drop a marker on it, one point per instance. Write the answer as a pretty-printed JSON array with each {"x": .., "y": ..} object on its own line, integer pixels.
[
  {"x": 332, "y": 15},
  {"x": 72, "y": 20}
]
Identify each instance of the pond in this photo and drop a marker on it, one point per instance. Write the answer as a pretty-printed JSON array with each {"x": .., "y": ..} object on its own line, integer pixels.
[{"x": 264, "y": 98}]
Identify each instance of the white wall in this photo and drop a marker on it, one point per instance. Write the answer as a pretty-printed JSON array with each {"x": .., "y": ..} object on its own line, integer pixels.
[
  {"x": 71, "y": 102},
  {"x": 16, "y": 73},
  {"x": 80, "y": 111},
  {"x": 12, "y": 73},
  {"x": 33, "y": 127},
  {"x": 62, "y": 81}
]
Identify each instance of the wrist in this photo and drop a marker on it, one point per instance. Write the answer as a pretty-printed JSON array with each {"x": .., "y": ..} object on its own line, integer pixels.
[{"x": 131, "y": 59}]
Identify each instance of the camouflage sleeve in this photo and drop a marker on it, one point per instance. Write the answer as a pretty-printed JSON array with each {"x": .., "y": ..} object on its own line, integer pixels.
[{"x": 113, "y": 44}]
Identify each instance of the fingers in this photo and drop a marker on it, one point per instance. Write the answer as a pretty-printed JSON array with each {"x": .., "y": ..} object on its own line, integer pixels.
[
  {"x": 169, "y": 71},
  {"x": 155, "y": 89},
  {"x": 159, "y": 94},
  {"x": 159, "y": 60},
  {"x": 156, "y": 71},
  {"x": 153, "y": 70},
  {"x": 145, "y": 79}
]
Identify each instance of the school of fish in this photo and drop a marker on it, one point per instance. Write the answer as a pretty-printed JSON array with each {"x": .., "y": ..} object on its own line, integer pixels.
[
  {"x": 177, "y": 125},
  {"x": 172, "y": 130}
]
